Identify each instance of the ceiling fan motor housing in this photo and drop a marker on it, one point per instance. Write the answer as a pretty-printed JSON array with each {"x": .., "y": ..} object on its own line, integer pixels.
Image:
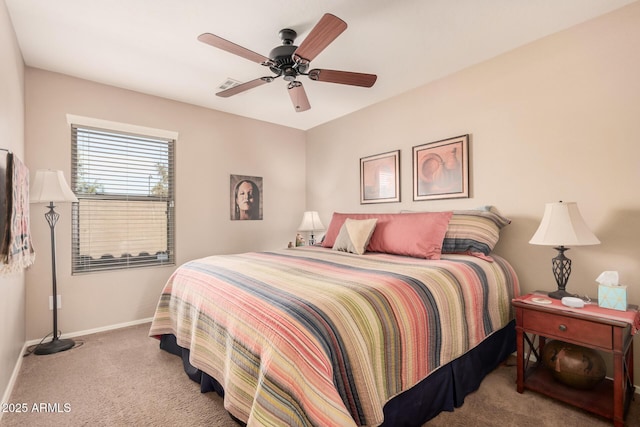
[{"x": 282, "y": 57}]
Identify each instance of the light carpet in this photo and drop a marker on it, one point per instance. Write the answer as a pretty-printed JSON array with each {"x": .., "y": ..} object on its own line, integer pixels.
[{"x": 122, "y": 378}]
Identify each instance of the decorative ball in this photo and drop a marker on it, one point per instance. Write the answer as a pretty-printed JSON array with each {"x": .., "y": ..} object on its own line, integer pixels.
[{"x": 573, "y": 365}]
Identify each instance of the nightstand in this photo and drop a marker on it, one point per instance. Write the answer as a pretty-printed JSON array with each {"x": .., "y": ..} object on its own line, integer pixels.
[{"x": 610, "y": 398}]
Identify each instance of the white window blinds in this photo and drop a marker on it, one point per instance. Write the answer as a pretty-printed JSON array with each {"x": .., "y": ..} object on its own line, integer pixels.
[{"x": 124, "y": 183}]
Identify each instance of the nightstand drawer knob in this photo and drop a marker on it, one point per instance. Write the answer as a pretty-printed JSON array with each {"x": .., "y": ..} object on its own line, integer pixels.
[{"x": 563, "y": 328}]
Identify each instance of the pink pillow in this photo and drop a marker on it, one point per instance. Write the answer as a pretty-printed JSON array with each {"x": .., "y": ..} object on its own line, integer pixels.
[{"x": 417, "y": 234}]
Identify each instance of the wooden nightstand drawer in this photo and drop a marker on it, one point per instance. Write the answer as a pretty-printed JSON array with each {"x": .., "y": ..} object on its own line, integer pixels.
[{"x": 575, "y": 330}]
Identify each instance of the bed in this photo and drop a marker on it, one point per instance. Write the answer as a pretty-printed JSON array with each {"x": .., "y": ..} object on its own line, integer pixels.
[{"x": 331, "y": 336}]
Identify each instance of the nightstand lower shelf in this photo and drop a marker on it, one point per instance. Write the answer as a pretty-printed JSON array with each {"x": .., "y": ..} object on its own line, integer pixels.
[{"x": 596, "y": 400}]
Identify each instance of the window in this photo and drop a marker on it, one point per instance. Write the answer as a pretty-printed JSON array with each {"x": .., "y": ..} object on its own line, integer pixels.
[{"x": 124, "y": 183}]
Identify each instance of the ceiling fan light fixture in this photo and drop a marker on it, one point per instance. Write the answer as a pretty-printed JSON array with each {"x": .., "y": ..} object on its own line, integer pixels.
[{"x": 290, "y": 74}]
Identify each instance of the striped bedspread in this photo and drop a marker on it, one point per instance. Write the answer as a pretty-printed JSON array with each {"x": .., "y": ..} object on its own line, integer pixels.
[{"x": 311, "y": 336}]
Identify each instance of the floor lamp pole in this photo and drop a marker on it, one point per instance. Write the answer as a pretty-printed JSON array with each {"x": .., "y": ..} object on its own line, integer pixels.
[{"x": 56, "y": 344}]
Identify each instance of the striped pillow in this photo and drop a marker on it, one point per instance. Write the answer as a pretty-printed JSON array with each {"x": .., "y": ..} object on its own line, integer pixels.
[{"x": 474, "y": 231}]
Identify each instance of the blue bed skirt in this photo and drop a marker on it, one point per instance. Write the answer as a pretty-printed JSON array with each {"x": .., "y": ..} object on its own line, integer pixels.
[{"x": 443, "y": 390}]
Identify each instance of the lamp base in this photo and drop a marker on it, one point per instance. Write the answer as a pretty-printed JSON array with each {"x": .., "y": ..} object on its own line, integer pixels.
[
  {"x": 559, "y": 294},
  {"x": 54, "y": 346}
]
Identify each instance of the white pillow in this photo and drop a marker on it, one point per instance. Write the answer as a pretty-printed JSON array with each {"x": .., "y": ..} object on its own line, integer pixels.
[{"x": 354, "y": 235}]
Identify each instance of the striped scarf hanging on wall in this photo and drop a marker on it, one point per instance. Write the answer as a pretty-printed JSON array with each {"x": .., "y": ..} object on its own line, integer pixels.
[{"x": 16, "y": 251}]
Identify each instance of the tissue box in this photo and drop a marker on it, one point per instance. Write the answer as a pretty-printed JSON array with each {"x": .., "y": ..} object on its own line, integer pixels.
[{"x": 614, "y": 297}]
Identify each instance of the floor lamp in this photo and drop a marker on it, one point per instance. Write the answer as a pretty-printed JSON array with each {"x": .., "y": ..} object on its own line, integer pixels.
[{"x": 49, "y": 186}]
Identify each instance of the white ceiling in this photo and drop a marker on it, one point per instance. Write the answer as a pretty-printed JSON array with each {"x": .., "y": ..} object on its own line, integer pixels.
[{"x": 150, "y": 46}]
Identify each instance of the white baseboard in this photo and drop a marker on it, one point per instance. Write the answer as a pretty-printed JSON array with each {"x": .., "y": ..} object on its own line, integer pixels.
[
  {"x": 96, "y": 330},
  {"x": 16, "y": 370}
]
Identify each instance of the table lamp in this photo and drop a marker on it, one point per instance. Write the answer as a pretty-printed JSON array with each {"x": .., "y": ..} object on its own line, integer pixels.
[
  {"x": 311, "y": 223},
  {"x": 562, "y": 226}
]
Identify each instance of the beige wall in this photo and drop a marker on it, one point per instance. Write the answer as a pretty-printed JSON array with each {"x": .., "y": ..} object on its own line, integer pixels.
[
  {"x": 12, "y": 287},
  {"x": 210, "y": 146},
  {"x": 555, "y": 120}
]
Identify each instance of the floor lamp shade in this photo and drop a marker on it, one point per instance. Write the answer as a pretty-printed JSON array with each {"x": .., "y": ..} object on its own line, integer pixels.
[
  {"x": 49, "y": 186},
  {"x": 562, "y": 226}
]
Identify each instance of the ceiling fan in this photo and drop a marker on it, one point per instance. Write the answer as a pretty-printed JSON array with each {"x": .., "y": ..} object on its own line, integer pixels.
[{"x": 289, "y": 61}]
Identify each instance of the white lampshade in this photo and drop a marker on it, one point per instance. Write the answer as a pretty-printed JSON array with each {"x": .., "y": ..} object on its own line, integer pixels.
[
  {"x": 50, "y": 186},
  {"x": 562, "y": 225},
  {"x": 311, "y": 222}
]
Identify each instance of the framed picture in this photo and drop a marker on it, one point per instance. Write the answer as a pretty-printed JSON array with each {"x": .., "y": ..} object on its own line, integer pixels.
[
  {"x": 246, "y": 197},
  {"x": 441, "y": 169},
  {"x": 380, "y": 178}
]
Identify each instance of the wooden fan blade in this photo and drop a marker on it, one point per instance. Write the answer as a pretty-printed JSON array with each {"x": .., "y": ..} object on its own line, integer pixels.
[
  {"x": 220, "y": 43},
  {"x": 244, "y": 86},
  {"x": 326, "y": 30},
  {"x": 298, "y": 96},
  {"x": 343, "y": 77}
]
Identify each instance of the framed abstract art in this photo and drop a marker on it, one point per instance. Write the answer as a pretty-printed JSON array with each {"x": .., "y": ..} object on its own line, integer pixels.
[
  {"x": 380, "y": 178},
  {"x": 441, "y": 169}
]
